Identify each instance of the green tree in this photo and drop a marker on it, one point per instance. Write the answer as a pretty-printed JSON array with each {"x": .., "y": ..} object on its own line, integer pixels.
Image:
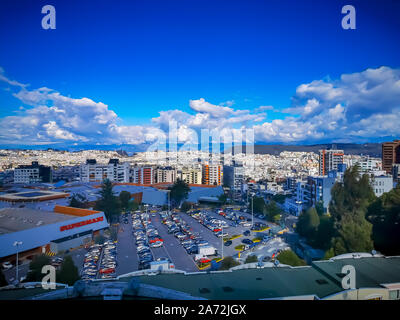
[
  {"x": 186, "y": 206},
  {"x": 384, "y": 214},
  {"x": 35, "y": 268},
  {"x": 68, "y": 272},
  {"x": 133, "y": 205},
  {"x": 348, "y": 208},
  {"x": 223, "y": 198},
  {"x": 329, "y": 254},
  {"x": 320, "y": 208},
  {"x": 308, "y": 223},
  {"x": 290, "y": 258},
  {"x": 258, "y": 205},
  {"x": 228, "y": 262},
  {"x": 78, "y": 201},
  {"x": 99, "y": 239},
  {"x": 179, "y": 191},
  {"x": 108, "y": 202},
  {"x": 124, "y": 197},
  {"x": 324, "y": 233},
  {"x": 280, "y": 198},
  {"x": 251, "y": 259},
  {"x": 272, "y": 211}
]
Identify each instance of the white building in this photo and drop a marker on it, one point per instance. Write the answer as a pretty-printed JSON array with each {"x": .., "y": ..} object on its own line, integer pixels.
[
  {"x": 33, "y": 173},
  {"x": 329, "y": 160},
  {"x": 381, "y": 184},
  {"x": 191, "y": 175},
  {"x": 91, "y": 171},
  {"x": 166, "y": 174}
]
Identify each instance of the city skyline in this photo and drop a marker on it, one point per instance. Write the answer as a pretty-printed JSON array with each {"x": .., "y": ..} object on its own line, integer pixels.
[{"x": 333, "y": 86}]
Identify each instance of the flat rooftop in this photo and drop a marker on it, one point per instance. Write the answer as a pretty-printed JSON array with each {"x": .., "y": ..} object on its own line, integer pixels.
[
  {"x": 18, "y": 219},
  {"x": 34, "y": 195},
  {"x": 322, "y": 278}
]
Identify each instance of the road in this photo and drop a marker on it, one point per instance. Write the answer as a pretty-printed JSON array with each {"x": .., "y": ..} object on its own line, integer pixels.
[
  {"x": 127, "y": 259},
  {"x": 174, "y": 249}
]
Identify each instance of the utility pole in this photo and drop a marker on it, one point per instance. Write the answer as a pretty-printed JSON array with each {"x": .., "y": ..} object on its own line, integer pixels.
[
  {"x": 169, "y": 210},
  {"x": 222, "y": 240},
  {"x": 16, "y": 244},
  {"x": 252, "y": 213}
]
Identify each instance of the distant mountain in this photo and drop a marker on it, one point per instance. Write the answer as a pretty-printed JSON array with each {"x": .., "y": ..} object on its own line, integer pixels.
[{"x": 370, "y": 149}]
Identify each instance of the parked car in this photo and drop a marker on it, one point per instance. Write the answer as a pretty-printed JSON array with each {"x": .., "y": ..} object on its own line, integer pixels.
[
  {"x": 228, "y": 243},
  {"x": 246, "y": 233},
  {"x": 247, "y": 241},
  {"x": 7, "y": 265}
]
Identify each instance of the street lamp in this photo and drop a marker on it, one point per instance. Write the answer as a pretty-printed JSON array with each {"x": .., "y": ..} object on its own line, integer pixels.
[
  {"x": 16, "y": 244},
  {"x": 222, "y": 240},
  {"x": 252, "y": 213},
  {"x": 169, "y": 210}
]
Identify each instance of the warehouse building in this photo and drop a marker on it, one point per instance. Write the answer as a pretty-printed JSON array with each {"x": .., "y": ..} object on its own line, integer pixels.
[{"x": 40, "y": 231}]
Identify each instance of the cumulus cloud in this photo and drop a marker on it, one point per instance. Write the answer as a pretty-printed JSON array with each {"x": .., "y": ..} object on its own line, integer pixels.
[{"x": 356, "y": 107}]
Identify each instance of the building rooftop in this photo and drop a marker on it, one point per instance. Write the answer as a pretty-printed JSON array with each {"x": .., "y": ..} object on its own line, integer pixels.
[
  {"x": 322, "y": 279},
  {"x": 32, "y": 195},
  {"x": 18, "y": 219}
]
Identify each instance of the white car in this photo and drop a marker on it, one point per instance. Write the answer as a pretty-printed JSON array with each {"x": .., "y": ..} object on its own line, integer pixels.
[{"x": 7, "y": 265}]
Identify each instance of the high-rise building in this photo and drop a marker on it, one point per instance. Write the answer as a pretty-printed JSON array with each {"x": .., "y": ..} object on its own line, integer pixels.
[
  {"x": 212, "y": 174},
  {"x": 34, "y": 173},
  {"x": 115, "y": 171},
  {"x": 233, "y": 176},
  {"x": 390, "y": 155},
  {"x": 190, "y": 175},
  {"x": 329, "y": 160},
  {"x": 165, "y": 174},
  {"x": 142, "y": 175}
]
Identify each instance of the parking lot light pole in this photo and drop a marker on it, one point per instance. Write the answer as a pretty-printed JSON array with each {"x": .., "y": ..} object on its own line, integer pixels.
[
  {"x": 252, "y": 213},
  {"x": 222, "y": 240},
  {"x": 16, "y": 244},
  {"x": 169, "y": 210}
]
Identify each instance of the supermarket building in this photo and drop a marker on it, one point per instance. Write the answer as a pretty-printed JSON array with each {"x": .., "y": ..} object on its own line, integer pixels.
[{"x": 41, "y": 231}]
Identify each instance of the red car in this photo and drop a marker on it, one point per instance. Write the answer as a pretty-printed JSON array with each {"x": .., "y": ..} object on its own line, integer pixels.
[
  {"x": 155, "y": 240},
  {"x": 204, "y": 260},
  {"x": 217, "y": 229},
  {"x": 106, "y": 271}
]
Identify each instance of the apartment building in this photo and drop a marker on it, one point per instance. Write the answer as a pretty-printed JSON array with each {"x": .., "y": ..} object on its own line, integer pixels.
[
  {"x": 190, "y": 175},
  {"x": 381, "y": 184},
  {"x": 314, "y": 190},
  {"x": 233, "y": 176},
  {"x": 390, "y": 155},
  {"x": 34, "y": 173},
  {"x": 142, "y": 175},
  {"x": 329, "y": 160},
  {"x": 115, "y": 171},
  {"x": 212, "y": 174},
  {"x": 165, "y": 174}
]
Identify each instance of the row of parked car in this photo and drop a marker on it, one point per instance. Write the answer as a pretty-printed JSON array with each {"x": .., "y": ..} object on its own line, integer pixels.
[
  {"x": 90, "y": 266},
  {"x": 190, "y": 240},
  {"x": 146, "y": 236},
  {"x": 217, "y": 226},
  {"x": 240, "y": 219},
  {"x": 108, "y": 262}
]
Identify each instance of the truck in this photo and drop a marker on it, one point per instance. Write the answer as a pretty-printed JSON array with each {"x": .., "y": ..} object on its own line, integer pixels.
[{"x": 207, "y": 251}]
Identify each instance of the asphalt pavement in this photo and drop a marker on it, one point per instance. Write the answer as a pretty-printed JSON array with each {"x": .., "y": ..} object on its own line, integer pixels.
[{"x": 127, "y": 259}]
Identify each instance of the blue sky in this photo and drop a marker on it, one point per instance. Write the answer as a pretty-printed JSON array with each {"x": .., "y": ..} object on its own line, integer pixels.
[{"x": 135, "y": 59}]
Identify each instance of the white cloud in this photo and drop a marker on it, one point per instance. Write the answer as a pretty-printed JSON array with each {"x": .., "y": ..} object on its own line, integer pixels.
[{"x": 354, "y": 107}]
